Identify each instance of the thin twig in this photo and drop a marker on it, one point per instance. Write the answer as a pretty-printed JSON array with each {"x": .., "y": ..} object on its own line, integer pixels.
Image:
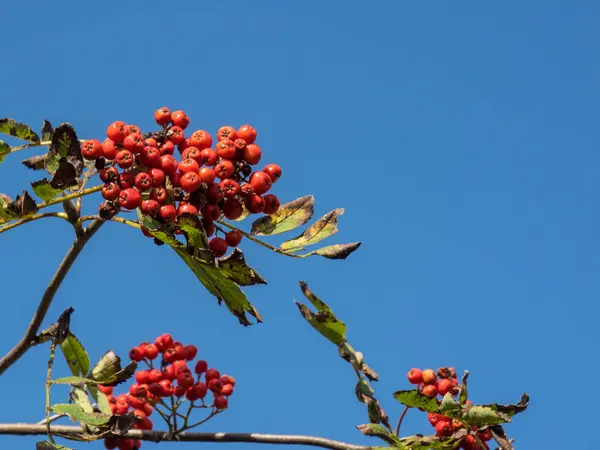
[
  {"x": 200, "y": 422},
  {"x": 258, "y": 241},
  {"x": 12, "y": 225},
  {"x": 400, "y": 420},
  {"x": 29, "y": 339},
  {"x": 50, "y": 419},
  {"x": 122, "y": 220},
  {"x": 157, "y": 436},
  {"x": 48, "y": 383},
  {"x": 33, "y": 144}
]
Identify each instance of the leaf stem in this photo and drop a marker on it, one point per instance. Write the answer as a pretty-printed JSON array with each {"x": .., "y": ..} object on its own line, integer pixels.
[
  {"x": 400, "y": 420},
  {"x": 32, "y": 144},
  {"x": 258, "y": 241},
  {"x": 12, "y": 225},
  {"x": 131, "y": 223},
  {"x": 29, "y": 339}
]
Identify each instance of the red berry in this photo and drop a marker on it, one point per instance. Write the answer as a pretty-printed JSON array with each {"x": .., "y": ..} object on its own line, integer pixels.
[
  {"x": 124, "y": 159},
  {"x": 190, "y": 181},
  {"x": 176, "y": 135},
  {"x": 246, "y": 190},
  {"x": 469, "y": 442},
  {"x": 143, "y": 182},
  {"x": 167, "y": 148},
  {"x": 110, "y": 191},
  {"x": 167, "y": 387},
  {"x": 180, "y": 119},
  {"x": 136, "y": 354},
  {"x": 193, "y": 153},
  {"x": 162, "y": 116},
  {"x": 150, "y": 157},
  {"x": 215, "y": 385},
  {"x": 212, "y": 373},
  {"x": 168, "y": 164},
  {"x": 240, "y": 146},
  {"x": 214, "y": 194},
  {"x": 151, "y": 351},
  {"x": 168, "y": 213},
  {"x": 201, "y": 367},
  {"x": 230, "y": 188},
  {"x": 208, "y": 157},
  {"x": 218, "y": 246},
  {"x": 224, "y": 169},
  {"x": 443, "y": 386},
  {"x": 126, "y": 180},
  {"x": 159, "y": 194},
  {"x": 201, "y": 139},
  {"x": 126, "y": 444},
  {"x": 415, "y": 376},
  {"x": 190, "y": 352},
  {"x": 443, "y": 429},
  {"x": 247, "y": 133},
  {"x": 190, "y": 394},
  {"x": 117, "y": 131},
  {"x": 226, "y": 132},
  {"x": 260, "y": 182},
  {"x": 134, "y": 143},
  {"x": 430, "y": 390},
  {"x": 109, "y": 149},
  {"x": 227, "y": 390},
  {"x": 228, "y": 379},
  {"x": 209, "y": 227},
  {"x": 164, "y": 341},
  {"x": 106, "y": 390},
  {"x": 185, "y": 379},
  {"x": 485, "y": 435},
  {"x": 132, "y": 129},
  {"x": 211, "y": 212},
  {"x": 109, "y": 174},
  {"x": 252, "y": 154},
  {"x": 271, "y": 204},
  {"x": 151, "y": 142},
  {"x": 255, "y": 204},
  {"x": 200, "y": 390},
  {"x": 233, "y": 238},
  {"x": 130, "y": 198},
  {"x": 188, "y": 165},
  {"x": 232, "y": 209},
  {"x": 274, "y": 171},
  {"x": 136, "y": 390},
  {"x": 141, "y": 377},
  {"x": 434, "y": 418},
  {"x": 154, "y": 376},
  {"x": 91, "y": 149},
  {"x": 225, "y": 149},
  {"x": 220, "y": 402},
  {"x": 207, "y": 175},
  {"x": 429, "y": 376},
  {"x": 186, "y": 208}
]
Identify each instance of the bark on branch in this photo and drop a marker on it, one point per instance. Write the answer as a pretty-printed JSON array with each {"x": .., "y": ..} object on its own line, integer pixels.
[
  {"x": 158, "y": 436},
  {"x": 29, "y": 339}
]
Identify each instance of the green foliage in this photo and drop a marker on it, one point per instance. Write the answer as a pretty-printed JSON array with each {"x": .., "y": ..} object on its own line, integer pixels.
[
  {"x": 18, "y": 130},
  {"x": 4, "y": 150},
  {"x": 77, "y": 414},
  {"x": 289, "y": 216},
  {"x": 336, "y": 251},
  {"x": 64, "y": 147},
  {"x": 44, "y": 190},
  {"x": 23, "y": 205},
  {"x": 324, "y": 321},
  {"x": 323, "y": 228},
  {"x": 235, "y": 268},
  {"x": 419, "y": 442},
  {"x": 75, "y": 355},
  {"x": 415, "y": 399},
  {"x": 376, "y": 430},
  {"x": 47, "y": 445}
]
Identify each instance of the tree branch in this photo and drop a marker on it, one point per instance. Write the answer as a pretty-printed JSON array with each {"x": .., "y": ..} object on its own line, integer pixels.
[
  {"x": 29, "y": 340},
  {"x": 157, "y": 436}
]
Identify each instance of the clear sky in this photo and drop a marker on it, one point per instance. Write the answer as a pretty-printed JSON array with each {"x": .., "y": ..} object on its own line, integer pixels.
[{"x": 461, "y": 137}]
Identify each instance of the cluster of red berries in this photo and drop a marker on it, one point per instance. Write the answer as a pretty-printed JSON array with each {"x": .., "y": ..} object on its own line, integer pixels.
[
  {"x": 441, "y": 383},
  {"x": 141, "y": 171},
  {"x": 172, "y": 377}
]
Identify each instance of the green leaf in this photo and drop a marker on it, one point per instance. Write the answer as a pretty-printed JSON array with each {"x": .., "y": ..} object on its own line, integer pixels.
[
  {"x": 44, "y": 190},
  {"x": 289, "y": 216},
  {"x": 511, "y": 410},
  {"x": 337, "y": 251},
  {"x": 222, "y": 287},
  {"x": 448, "y": 404},
  {"x": 235, "y": 268},
  {"x": 100, "y": 400},
  {"x": 376, "y": 430},
  {"x": 6, "y": 214},
  {"x": 76, "y": 381},
  {"x": 197, "y": 241},
  {"x": 75, "y": 355},
  {"x": 34, "y": 162},
  {"x": 23, "y": 205},
  {"x": 154, "y": 227},
  {"x": 323, "y": 228},
  {"x": 47, "y": 445},
  {"x": 483, "y": 415},
  {"x": 47, "y": 131},
  {"x": 77, "y": 414},
  {"x": 463, "y": 393},
  {"x": 419, "y": 442},
  {"x": 4, "y": 150},
  {"x": 324, "y": 321},
  {"x": 18, "y": 130},
  {"x": 416, "y": 399},
  {"x": 67, "y": 174},
  {"x": 108, "y": 371},
  {"x": 65, "y": 144},
  {"x": 82, "y": 399}
]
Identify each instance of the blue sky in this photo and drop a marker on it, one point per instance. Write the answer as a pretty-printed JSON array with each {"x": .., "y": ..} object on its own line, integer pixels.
[{"x": 459, "y": 136}]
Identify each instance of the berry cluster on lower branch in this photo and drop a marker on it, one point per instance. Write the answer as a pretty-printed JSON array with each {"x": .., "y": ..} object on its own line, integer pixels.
[{"x": 168, "y": 383}]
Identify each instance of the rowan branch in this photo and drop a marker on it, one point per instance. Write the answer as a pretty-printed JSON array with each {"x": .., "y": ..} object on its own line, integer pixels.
[
  {"x": 158, "y": 436},
  {"x": 29, "y": 340}
]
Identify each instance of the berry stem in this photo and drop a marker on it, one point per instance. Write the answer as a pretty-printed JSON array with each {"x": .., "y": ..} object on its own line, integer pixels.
[
  {"x": 90, "y": 172},
  {"x": 48, "y": 383},
  {"x": 258, "y": 241},
  {"x": 30, "y": 338},
  {"x": 12, "y": 225},
  {"x": 212, "y": 414},
  {"x": 400, "y": 420}
]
